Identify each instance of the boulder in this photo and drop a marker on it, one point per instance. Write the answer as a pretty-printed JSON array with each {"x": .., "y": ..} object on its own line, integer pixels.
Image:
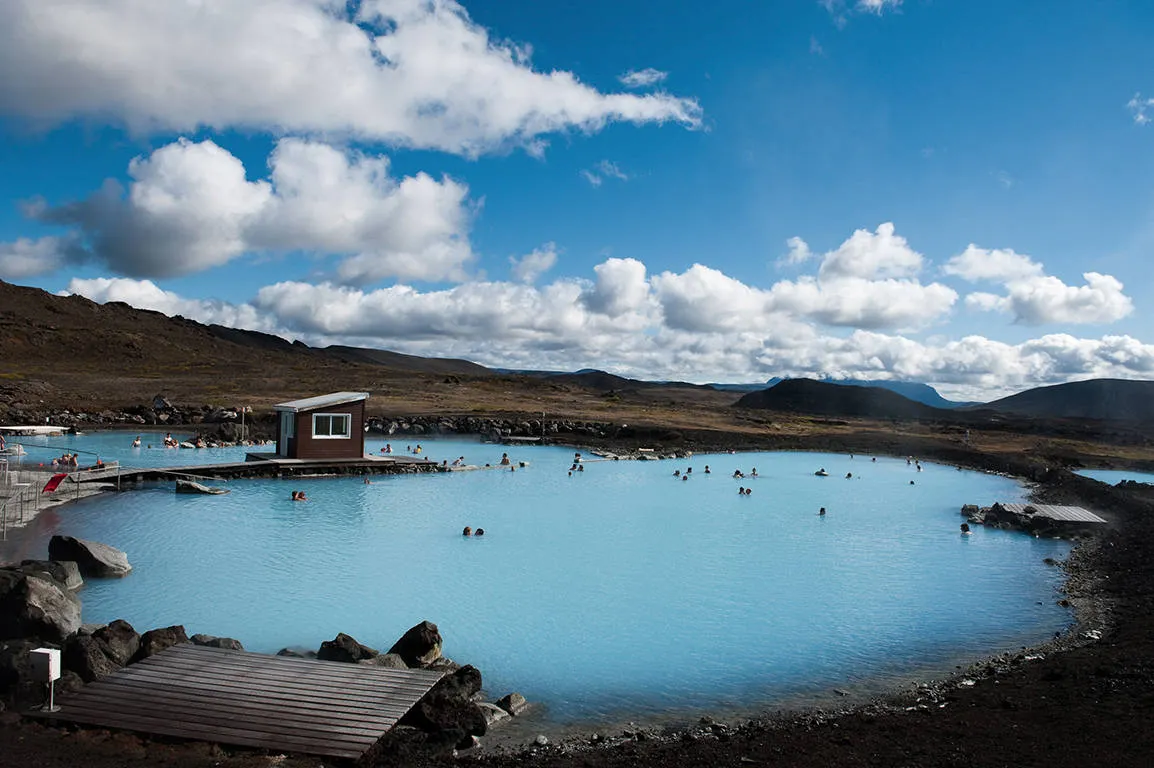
[
  {"x": 86, "y": 657},
  {"x": 119, "y": 641},
  {"x": 94, "y": 558},
  {"x": 420, "y": 646},
  {"x": 386, "y": 660},
  {"x": 493, "y": 714},
  {"x": 449, "y": 705},
  {"x": 513, "y": 703},
  {"x": 345, "y": 648},
  {"x": 33, "y": 606},
  {"x": 212, "y": 641},
  {"x": 154, "y": 641},
  {"x": 296, "y": 653},
  {"x": 65, "y": 572}
]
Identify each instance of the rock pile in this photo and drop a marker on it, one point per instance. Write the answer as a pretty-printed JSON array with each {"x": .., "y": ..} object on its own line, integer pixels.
[{"x": 452, "y": 715}]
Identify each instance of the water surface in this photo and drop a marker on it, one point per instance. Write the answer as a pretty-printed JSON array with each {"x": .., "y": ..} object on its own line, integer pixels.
[{"x": 618, "y": 590}]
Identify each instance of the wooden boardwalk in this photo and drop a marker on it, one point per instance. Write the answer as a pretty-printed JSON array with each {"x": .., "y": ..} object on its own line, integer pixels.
[{"x": 312, "y": 707}]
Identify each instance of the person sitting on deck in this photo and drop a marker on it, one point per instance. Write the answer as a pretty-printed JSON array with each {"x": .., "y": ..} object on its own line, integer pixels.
[
  {"x": 136, "y": 442},
  {"x": 505, "y": 459}
]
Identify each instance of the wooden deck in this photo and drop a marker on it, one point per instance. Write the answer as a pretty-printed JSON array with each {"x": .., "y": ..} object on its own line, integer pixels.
[{"x": 312, "y": 707}]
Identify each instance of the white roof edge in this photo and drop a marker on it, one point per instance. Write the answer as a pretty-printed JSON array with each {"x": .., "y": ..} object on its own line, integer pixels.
[{"x": 321, "y": 401}]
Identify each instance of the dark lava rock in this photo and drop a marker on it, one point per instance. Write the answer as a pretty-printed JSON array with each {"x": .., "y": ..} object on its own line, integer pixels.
[
  {"x": 33, "y": 606},
  {"x": 94, "y": 558},
  {"x": 513, "y": 703},
  {"x": 345, "y": 648},
  {"x": 420, "y": 646},
  {"x": 154, "y": 641},
  {"x": 449, "y": 705},
  {"x": 386, "y": 660},
  {"x": 119, "y": 641},
  {"x": 86, "y": 657},
  {"x": 211, "y": 641}
]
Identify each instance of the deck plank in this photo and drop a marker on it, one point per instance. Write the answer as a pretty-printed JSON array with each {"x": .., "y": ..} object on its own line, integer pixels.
[{"x": 246, "y": 699}]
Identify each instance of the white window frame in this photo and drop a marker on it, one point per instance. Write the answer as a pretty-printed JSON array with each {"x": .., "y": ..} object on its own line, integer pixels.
[{"x": 348, "y": 419}]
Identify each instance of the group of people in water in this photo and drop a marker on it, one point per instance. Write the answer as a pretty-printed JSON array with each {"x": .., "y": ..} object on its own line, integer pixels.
[
  {"x": 470, "y": 532},
  {"x": 299, "y": 496}
]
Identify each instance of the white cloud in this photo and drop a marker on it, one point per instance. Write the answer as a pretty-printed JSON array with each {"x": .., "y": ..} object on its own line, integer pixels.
[
  {"x": 1001, "y": 265},
  {"x": 1033, "y": 297},
  {"x": 414, "y": 73},
  {"x": 26, "y": 257},
  {"x": 1046, "y": 299},
  {"x": 841, "y": 9},
  {"x": 620, "y": 288},
  {"x": 859, "y": 303},
  {"x": 555, "y": 327},
  {"x": 1138, "y": 107},
  {"x": 604, "y": 169},
  {"x": 190, "y": 207},
  {"x": 872, "y": 255},
  {"x": 642, "y": 78},
  {"x": 877, "y": 6},
  {"x": 532, "y": 265},
  {"x": 799, "y": 252},
  {"x": 144, "y": 294},
  {"x": 702, "y": 299}
]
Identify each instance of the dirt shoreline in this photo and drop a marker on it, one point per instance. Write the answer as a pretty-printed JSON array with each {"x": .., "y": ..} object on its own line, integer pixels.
[{"x": 1085, "y": 697}]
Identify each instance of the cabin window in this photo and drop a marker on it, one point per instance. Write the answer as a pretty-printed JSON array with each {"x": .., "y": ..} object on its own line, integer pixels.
[{"x": 332, "y": 426}]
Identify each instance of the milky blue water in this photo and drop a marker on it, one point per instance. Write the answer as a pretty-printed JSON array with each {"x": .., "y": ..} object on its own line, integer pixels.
[
  {"x": 1115, "y": 476},
  {"x": 617, "y": 591}
]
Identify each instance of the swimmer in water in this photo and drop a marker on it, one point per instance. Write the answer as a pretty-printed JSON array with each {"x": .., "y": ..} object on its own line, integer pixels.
[
  {"x": 966, "y": 529},
  {"x": 707, "y": 469},
  {"x": 467, "y": 532},
  {"x": 821, "y": 512},
  {"x": 136, "y": 442},
  {"x": 480, "y": 532}
]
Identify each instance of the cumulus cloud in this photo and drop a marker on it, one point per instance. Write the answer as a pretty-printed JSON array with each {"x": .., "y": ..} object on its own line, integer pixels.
[
  {"x": 871, "y": 255},
  {"x": 557, "y": 327},
  {"x": 532, "y": 265},
  {"x": 25, "y": 257},
  {"x": 416, "y": 73},
  {"x": 799, "y": 252},
  {"x": 642, "y": 78},
  {"x": 620, "y": 287},
  {"x": 1034, "y": 298},
  {"x": 190, "y": 207},
  {"x": 702, "y": 299},
  {"x": 859, "y": 303},
  {"x": 144, "y": 294}
]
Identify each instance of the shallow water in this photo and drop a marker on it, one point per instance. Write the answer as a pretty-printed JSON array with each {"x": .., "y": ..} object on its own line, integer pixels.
[
  {"x": 1115, "y": 476},
  {"x": 619, "y": 590}
]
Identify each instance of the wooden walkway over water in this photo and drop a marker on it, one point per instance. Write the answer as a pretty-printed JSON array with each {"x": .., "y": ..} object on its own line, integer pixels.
[{"x": 312, "y": 707}]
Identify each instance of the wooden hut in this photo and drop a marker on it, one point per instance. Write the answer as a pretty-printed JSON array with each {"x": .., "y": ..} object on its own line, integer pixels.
[{"x": 323, "y": 427}]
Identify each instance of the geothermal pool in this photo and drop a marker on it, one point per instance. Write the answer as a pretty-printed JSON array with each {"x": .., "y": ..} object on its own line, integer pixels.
[{"x": 616, "y": 592}]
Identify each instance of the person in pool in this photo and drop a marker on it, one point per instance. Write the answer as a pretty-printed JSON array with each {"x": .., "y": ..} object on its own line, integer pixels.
[
  {"x": 480, "y": 532},
  {"x": 505, "y": 459},
  {"x": 821, "y": 512},
  {"x": 467, "y": 532},
  {"x": 136, "y": 442}
]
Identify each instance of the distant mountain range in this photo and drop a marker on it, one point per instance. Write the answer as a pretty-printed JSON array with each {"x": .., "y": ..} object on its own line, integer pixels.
[{"x": 916, "y": 391}]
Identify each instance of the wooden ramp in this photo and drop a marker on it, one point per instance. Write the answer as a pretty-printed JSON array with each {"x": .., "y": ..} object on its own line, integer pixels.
[{"x": 233, "y": 697}]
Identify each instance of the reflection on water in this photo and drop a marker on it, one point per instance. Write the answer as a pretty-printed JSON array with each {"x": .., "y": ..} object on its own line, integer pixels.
[{"x": 617, "y": 589}]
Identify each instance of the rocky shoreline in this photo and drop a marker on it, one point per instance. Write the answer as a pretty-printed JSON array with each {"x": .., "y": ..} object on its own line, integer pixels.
[{"x": 1107, "y": 656}]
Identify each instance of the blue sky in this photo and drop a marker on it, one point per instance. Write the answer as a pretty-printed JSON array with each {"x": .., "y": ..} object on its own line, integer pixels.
[{"x": 944, "y": 191}]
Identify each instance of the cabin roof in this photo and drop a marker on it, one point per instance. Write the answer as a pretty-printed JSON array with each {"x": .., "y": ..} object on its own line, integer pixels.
[
  {"x": 1054, "y": 512},
  {"x": 321, "y": 401}
]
